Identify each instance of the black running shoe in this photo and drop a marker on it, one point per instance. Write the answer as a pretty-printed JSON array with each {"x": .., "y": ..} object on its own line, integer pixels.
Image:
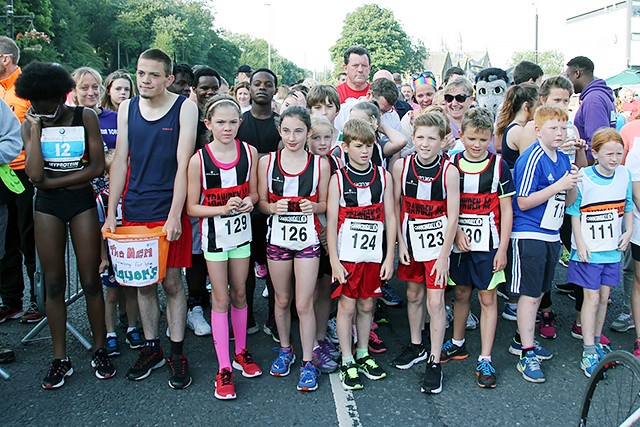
[
  {"x": 409, "y": 356},
  {"x": 180, "y": 377},
  {"x": 146, "y": 362},
  {"x": 432, "y": 383},
  {"x": 58, "y": 371},
  {"x": 450, "y": 351},
  {"x": 102, "y": 364}
]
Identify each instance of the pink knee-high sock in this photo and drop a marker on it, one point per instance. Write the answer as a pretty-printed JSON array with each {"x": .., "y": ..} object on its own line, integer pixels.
[
  {"x": 239, "y": 324},
  {"x": 220, "y": 327}
]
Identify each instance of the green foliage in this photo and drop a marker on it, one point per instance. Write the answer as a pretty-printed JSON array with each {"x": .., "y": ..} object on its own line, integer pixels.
[
  {"x": 551, "y": 61},
  {"x": 376, "y": 29},
  {"x": 110, "y": 34},
  {"x": 255, "y": 52}
]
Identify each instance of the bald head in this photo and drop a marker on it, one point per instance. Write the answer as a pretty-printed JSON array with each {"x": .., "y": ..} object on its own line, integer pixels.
[{"x": 383, "y": 74}]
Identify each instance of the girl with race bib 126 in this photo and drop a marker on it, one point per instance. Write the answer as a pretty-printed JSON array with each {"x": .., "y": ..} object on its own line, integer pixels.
[{"x": 293, "y": 190}]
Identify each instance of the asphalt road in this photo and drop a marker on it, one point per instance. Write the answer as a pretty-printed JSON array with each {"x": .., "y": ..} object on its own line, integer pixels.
[{"x": 267, "y": 400}]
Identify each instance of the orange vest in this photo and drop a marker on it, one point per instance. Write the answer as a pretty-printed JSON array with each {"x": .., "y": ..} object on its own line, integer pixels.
[{"x": 18, "y": 105}]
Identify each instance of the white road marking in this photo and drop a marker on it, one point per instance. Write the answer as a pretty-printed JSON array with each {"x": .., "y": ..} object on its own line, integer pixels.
[{"x": 346, "y": 408}]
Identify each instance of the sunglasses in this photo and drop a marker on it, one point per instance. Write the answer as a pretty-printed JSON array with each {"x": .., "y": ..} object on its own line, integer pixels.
[
  {"x": 460, "y": 98},
  {"x": 46, "y": 116},
  {"x": 425, "y": 74}
]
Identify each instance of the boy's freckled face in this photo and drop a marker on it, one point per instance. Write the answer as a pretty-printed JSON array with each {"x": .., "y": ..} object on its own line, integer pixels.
[
  {"x": 552, "y": 134},
  {"x": 476, "y": 141}
]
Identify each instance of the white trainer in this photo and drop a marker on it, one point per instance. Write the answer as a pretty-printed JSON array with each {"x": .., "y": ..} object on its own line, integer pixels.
[{"x": 196, "y": 322}]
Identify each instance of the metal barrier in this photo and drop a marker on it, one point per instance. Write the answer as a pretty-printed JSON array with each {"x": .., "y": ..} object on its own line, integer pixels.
[{"x": 73, "y": 293}]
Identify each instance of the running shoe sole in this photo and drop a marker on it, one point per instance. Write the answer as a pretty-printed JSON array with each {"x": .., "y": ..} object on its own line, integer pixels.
[
  {"x": 531, "y": 380},
  {"x": 61, "y": 383},
  {"x": 418, "y": 359},
  {"x": 238, "y": 366},
  {"x": 146, "y": 374}
]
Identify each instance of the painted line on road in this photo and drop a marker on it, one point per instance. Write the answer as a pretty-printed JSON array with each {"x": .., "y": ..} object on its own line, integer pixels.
[{"x": 346, "y": 408}]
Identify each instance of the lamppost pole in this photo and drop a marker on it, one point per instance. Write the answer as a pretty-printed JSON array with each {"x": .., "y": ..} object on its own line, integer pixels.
[{"x": 269, "y": 36}]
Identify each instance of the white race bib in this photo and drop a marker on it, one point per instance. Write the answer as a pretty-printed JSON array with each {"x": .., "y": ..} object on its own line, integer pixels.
[
  {"x": 360, "y": 240},
  {"x": 554, "y": 212},
  {"x": 62, "y": 147},
  {"x": 293, "y": 231},
  {"x": 600, "y": 230},
  {"x": 232, "y": 230},
  {"x": 427, "y": 237},
  {"x": 476, "y": 227}
]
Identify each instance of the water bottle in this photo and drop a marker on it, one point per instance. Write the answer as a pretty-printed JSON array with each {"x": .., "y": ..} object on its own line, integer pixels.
[{"x": 571, "y": 134}]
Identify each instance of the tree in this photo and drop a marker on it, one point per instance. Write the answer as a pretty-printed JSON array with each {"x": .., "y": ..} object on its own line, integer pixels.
[
  {"x": 377, "y": 30},
  {"x": 551, "y": 61},
  {"x": 255, "y": 54}
]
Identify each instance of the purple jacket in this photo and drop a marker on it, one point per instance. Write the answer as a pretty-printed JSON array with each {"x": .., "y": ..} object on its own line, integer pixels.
[{"x": 596, "y": 110}]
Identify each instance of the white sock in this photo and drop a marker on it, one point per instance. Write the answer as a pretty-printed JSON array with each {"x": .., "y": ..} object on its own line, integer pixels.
[{"x": 458, "y": 343}]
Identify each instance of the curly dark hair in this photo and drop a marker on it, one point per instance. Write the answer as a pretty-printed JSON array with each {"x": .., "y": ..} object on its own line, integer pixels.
[{"x": 43, "y": 81}]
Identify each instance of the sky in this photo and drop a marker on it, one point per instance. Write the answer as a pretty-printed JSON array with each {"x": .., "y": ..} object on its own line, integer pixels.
[{"x": 303, "y": 31}]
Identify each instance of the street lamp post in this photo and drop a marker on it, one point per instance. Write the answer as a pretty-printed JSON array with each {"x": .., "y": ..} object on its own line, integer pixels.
[
  {"x": 11, "y": 19},
  {"x": 269, "y": 36}
]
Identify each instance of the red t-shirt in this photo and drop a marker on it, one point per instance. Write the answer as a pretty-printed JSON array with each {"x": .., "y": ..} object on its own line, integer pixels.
[{"x": 346, "y": 92}]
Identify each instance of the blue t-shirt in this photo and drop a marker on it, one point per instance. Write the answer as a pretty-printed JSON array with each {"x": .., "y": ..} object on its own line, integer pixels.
[
  {"x": 534, "y": 171},
  {"x": 604, "y": 193}
]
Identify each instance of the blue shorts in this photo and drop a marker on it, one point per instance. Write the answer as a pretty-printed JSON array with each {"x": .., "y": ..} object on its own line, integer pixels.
[
  {"x": 592, "y": 276},
  {"x": 534, "y": 265},
  {"x": 474, "y": 269}
]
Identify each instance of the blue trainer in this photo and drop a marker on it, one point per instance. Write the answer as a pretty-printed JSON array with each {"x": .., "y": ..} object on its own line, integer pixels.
[
  {"x": 529, "y": 366},
  {"x": 389, "y": 298},
  {"x": 510, "y": 313},
  {"x": 282, "y": 365},
  {"x": 112, "y": 347},
  {"x": 308, "y": 377},
  {"x": 602, "y": 350},
  {"x": 541, "y": 353},
  {"x": 589, "y": 363}
]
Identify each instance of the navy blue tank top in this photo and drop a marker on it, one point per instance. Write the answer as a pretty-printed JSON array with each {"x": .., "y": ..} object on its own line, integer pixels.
[
  {"x": 509, "y": 154},
  {"x": 153, "y": 163}
]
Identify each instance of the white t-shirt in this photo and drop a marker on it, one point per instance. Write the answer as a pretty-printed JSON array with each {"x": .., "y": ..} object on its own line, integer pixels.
[{"x": 633, "y": 164}]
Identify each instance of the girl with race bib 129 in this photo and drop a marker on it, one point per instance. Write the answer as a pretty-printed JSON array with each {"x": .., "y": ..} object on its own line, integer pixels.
[{"x": 222, "y": 190}]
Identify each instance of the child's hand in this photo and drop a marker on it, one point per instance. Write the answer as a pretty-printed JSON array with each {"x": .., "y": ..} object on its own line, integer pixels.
[
  {"x": 624, "y": 241},
  {"x": 281, "y": 207},
  {"x": 584, "y": 254},
  {"x": 403, "y": 253},
  {"x": 246, "y": 205},
  {"x": 323, "y": 236},
  {"x": 441, "y": 270},
  {"x": 339, "y": 273},
  {"x": 499, "y": 261},
  {"x": 104, "y": 263},
  {"x": 386, "y": 269},
  {"x": 232, "y": 204},
  {"x": 306, "y": 207},
  {"x": 569, "y": 180},
  {"x": 462, "y": 240}
]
